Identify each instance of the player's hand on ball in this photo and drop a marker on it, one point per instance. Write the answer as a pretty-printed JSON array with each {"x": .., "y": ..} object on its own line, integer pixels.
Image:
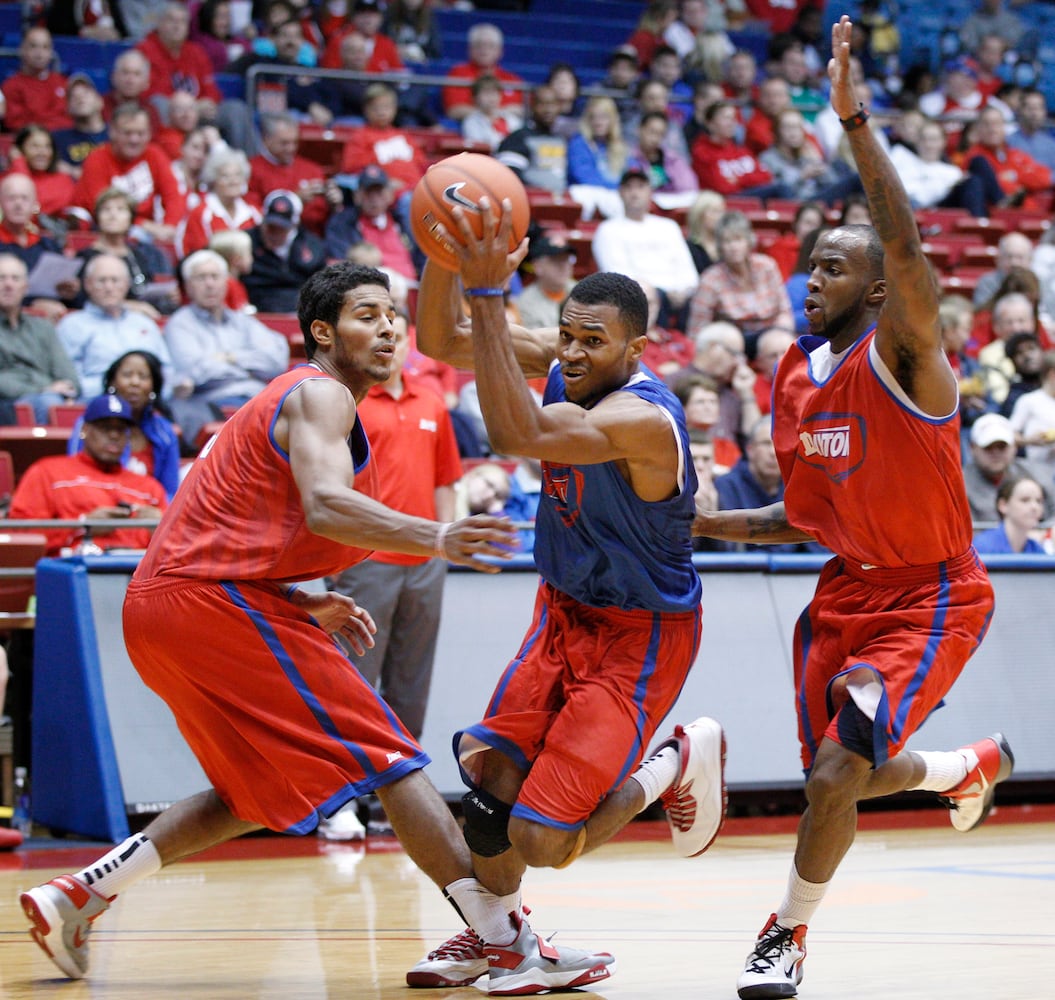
[
  {"x": 467, "y": 540},
  {"x": 484, "y": 260},
  {"x": 338, "y": 614}
]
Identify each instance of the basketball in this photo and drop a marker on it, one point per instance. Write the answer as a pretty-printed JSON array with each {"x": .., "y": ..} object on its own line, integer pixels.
[{"x": 463, "y": 180}]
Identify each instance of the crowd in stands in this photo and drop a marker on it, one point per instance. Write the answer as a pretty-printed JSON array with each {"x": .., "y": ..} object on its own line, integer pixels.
[{"x": 167, "y": 222}]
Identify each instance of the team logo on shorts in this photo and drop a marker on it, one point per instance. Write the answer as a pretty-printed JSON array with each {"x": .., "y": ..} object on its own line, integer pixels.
[{"x": 833, "y": 442}]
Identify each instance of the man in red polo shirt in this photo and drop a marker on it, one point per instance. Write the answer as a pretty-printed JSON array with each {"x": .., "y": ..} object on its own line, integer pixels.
[
  {"x": 35, "y": 94},
  {"x": 417, "y": 462},
  {"x": 131, "y": 162},
  {"x": 1022, "y": 179},
  {"x": 365, "y": 20}
]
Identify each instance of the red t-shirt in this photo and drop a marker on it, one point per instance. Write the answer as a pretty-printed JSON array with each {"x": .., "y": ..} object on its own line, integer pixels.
[
  {"x": 727, "y": 168},
  {"x": 469, "y": 72},
  {"x": 383, "y": 58},
  {"x": 63, "y": 487},
  {"x": 266, "y": 176},
  {"x": 189, "y": 70},
  {"x": 392, "y": 149},
  {"x": 149, "y": 180},
  {"x": 415, "y": 451}
]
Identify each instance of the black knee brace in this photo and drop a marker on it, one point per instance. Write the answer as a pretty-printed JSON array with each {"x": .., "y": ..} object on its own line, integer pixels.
[{"x": 486, "y": 823}]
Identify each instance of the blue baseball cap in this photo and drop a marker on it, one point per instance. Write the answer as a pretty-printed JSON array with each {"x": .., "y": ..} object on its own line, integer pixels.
[{"x": 108, "y": 407}]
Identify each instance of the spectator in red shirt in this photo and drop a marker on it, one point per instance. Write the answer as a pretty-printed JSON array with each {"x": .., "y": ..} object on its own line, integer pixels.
[
  {"x": 34, "y": 93},
  {"x": 178, "y": 64},
  {"x": 278, "y": 166},
  {"x": 131, "y": 162},
  {"x": 1024, "y": 181},
  {"x": 773, "y": 98},
  {"x": 129, "y": 83},
  {"x": 651, "y": 25},
  {"x": 364, "y": 18},
  {"x": 779, "y": 15},
  {"x": 486, "y": 45},
  {"x": 381, "y": 143},
  {"x": 723, "y": 165}
]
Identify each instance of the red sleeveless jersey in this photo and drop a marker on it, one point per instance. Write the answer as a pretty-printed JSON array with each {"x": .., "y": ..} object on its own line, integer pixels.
[
  {"x": 238, "y": 514},
  {"x": 865, "y": 473}
]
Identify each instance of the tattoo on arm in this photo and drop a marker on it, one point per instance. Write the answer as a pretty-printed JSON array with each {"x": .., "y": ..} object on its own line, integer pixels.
[{"x": 765, "y": 525}]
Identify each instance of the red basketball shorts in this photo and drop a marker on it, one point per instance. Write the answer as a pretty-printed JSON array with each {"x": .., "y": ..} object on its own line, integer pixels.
[
  {"x": 283, "y": 725},
  {"x": 915, "y": 629},
  {"x": 581, "y": 702}
]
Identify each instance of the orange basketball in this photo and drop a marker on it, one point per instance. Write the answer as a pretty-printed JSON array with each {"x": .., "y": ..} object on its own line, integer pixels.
[{"x": 463, "y": 180}]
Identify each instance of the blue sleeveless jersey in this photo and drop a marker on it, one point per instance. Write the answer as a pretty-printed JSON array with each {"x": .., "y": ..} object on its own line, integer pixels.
[{"x": 599, "y": 542}]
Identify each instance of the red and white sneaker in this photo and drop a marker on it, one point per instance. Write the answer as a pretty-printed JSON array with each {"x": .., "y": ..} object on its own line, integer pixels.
[
  {"x": 697, "y": 800},
  {"x": 989, "y": 762},
  {"x": 774, "y": 967},
  {"x": 61, "y": 912},
  {"x": 459, "y": 961},
  {"x": 532, "y": 965}
]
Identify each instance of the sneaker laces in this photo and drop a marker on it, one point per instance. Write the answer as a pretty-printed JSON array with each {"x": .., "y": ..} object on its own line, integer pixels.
[
  {"x": 461, "y": 946},
  {"x": 680, "y": 805},
  {"x": 769, "y": 947}
]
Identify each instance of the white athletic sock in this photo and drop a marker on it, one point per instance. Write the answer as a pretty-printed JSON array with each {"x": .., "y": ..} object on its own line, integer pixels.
[
  {"x": 657, "y": 774},
  {"x": 125, "y": 865},
  {"x": 800, "y": 901},
  {"x": 482, "y": 910},
  {"x": 512, "y": 903},
  {"x": 945, "y": 768}
]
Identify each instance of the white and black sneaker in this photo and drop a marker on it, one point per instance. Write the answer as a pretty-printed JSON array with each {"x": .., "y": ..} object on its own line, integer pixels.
[{"x": 774, "y": 968}]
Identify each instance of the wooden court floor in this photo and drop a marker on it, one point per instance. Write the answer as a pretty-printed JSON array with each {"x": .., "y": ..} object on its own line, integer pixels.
[{"x": 915, "y": 913}]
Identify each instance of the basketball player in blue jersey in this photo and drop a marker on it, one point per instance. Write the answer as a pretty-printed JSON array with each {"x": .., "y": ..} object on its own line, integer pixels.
[{"x": 551, "y": 768}]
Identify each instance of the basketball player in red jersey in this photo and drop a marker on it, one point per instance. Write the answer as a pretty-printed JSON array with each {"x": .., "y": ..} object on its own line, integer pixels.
[
  {"x": 866, "y": 430},
  {"x": 285, "y": 728}
]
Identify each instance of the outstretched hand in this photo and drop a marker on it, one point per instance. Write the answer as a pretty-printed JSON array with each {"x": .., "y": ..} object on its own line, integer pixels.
[
  {"x": 338, "y": 614},
  {"x": 465, "y": 541},
  {"x": 843, "y": 96}
]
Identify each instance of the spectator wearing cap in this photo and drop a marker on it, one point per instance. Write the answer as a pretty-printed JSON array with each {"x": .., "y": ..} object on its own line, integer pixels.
[
  {"x": 364, "y": 18},
  {"x": 991, "y": 461},
  {"x": 648, "y": 247},
  {"x": 92, "y": 484},
  {"x": 536, "y": 153},
  {"x": 550, "y": 260},
  {"x": 84, "y": 105},
  {"x": 959, "y": 99},
  {"x": 35, "y": 93},
  {"x": 371, "y": 218},
  {"x": 285, "y": 255},
  {"x": 486, "y": 44},
  {"x": 221, "y": 358},
  {"x": 278, "y": 166}
]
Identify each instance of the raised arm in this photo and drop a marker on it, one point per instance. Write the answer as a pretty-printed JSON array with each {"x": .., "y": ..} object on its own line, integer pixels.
[{"x": 908, "y": 335}]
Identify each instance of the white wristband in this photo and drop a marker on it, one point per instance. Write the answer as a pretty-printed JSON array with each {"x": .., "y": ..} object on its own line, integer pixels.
[{"x": 441, "y": 540}]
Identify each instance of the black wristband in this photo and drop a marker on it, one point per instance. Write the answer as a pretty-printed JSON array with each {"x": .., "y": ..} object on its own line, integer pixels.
[{"x": 856, "y": 120}]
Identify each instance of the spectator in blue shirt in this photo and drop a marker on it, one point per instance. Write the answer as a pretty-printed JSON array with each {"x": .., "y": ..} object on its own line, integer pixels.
[{"x": 1020, "y": 506}]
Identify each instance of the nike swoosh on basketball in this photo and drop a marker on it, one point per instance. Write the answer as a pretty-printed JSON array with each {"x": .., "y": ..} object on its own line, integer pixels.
[{"x": 453, "y": 193}]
